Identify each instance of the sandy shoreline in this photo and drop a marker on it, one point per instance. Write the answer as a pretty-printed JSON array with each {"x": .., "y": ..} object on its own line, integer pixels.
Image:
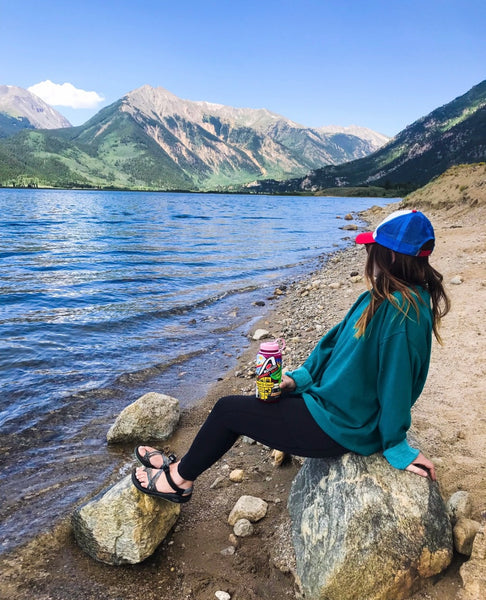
[{"x": 448, "y": 422}]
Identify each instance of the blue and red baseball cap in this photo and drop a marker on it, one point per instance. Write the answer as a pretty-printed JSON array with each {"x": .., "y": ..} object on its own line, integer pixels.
[{"x": 404, "y": 231}]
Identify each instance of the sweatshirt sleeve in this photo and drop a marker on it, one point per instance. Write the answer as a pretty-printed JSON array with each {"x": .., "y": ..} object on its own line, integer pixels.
[
  {"x": 313, "y": 368},
  {"x": 399, "y": 363}
]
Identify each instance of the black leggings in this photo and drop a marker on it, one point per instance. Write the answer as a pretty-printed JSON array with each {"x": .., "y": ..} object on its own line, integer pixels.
[{"x": 285, "y": 425}]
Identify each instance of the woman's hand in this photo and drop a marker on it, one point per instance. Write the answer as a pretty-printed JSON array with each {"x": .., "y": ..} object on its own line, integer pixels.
[
  {"x": 287, "y": 383},
  {"x": 422, "y": 466}
]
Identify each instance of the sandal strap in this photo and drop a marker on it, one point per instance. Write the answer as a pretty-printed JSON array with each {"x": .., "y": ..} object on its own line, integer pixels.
[
  {"x": 178, "y": 490},
  {"x": 152, "y": 479},
  {"x": 167, "y": 460},
  {"x": 152, "y": 482}
]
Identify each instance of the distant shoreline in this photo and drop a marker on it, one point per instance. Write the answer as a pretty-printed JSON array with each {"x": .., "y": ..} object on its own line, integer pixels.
[{"x": 354, "y": 192}]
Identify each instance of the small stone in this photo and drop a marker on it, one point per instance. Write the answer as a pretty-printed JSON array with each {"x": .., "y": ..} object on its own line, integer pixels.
[
  {"x": 459, "y": 506},
  {"x": 348, "y": 217},
  {"x": 278, "y": 457},
  {"x": 464, "y": 532},
  {"x": 243, "y": 528},
  {"x": 237, "y": 475},
  {"x": 456, "y": 280},
  {"x": 260, "y": 334},
  {"x": 350, "y": 227},
  {"x": 248, "y": 440},
  {"x": 233, "y": 540},
  {"x": 220, "y": 595},
  {"x": 473, "y": 571},
  {"x": 217, "y": 482},
  {"x": 229, "y": 551},
  {"x": 356, "y": 278},
  {"x": 335, "y": 285},
  {"x": 248, "y": 507}
]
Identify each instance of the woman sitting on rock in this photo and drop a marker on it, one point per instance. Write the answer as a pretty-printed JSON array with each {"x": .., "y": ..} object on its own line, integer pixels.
[{"x": 355, "y": 391}]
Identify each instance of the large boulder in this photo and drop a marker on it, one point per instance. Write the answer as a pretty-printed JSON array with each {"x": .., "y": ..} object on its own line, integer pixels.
[
  {"x": 151, "y": 417},
  {"x": 362, "y": 529},
  {"x": 123, "y": 525}
]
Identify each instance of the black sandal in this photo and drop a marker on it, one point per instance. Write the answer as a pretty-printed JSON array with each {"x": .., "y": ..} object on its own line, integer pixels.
[
  {"x": 145, "y": 458},
  {"x": 179, "y": 495}
]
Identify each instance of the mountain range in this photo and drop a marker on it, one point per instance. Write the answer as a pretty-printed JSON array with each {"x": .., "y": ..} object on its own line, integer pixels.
[
  {"x": 450, "y": 135},
  {"x": 151, "y": 139}
]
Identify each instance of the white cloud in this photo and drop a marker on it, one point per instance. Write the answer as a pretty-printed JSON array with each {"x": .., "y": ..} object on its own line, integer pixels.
[{"x": 65, "y": 94}]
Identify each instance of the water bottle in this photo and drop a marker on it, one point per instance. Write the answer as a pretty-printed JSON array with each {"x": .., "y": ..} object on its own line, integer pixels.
[{"x": 269, "y": 370}]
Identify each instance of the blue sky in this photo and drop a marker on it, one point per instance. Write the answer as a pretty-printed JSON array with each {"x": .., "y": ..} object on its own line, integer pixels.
[{"x": 378, "y": 64}]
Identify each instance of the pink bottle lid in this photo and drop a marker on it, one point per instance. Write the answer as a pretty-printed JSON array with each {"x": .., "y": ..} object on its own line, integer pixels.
[{"x": 272, "y": 347}]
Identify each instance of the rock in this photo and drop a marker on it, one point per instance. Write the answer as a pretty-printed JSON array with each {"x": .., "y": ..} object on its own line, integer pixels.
[
  {"x": 261, "y": 334},
  {"x": 237, "y": 475},
  {"x": 362, "y": 529},
  {"x": 278, "y": 457},
  {"x": 464, "y": 532},
  {"x": 217, "y": 482},
  {"x": 247, "y": 440},
  {"x": 243, "y": 528},
  {"x": 248, "y": 507},
  {"x": 122, "y": 525},
  {"x": 459, "y": 505},
  {"x": 356, "y": 278},
  {"x": 473, "y": 572},
  {"x": 348, "y": 217},
  {"x": 229, "y": 551},
  {"x": 335, "y": 285},
  {"x": 151, "y": 417},
  {"x": 350, "y": 227},
  {"x": 220, "y": 595},
  {"x": 456, "y": 280}
]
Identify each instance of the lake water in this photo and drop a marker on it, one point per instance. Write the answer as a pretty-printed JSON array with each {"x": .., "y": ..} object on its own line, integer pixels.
[{"x": 106, "y": 296}]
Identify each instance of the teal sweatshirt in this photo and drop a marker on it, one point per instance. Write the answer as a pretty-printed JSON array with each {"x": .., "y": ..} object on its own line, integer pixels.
[{"x": 361, "y": 390}]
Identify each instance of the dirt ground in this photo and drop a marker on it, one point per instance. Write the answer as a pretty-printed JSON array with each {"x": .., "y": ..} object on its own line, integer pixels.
[{"x": 194, "y": 561}]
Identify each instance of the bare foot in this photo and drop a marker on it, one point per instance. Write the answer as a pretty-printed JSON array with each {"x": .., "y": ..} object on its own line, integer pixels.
[{"x": 162, "y": 485}]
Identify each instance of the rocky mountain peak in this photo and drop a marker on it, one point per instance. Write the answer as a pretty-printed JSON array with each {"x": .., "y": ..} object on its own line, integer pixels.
[
  {"x": 18, "y": 103},
  {"x": 160, "y": 103},
  {"x": 375, "y": 138}
]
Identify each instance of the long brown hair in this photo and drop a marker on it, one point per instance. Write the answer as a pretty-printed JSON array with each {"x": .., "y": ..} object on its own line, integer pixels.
[{"x": 387, "y": 272}]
